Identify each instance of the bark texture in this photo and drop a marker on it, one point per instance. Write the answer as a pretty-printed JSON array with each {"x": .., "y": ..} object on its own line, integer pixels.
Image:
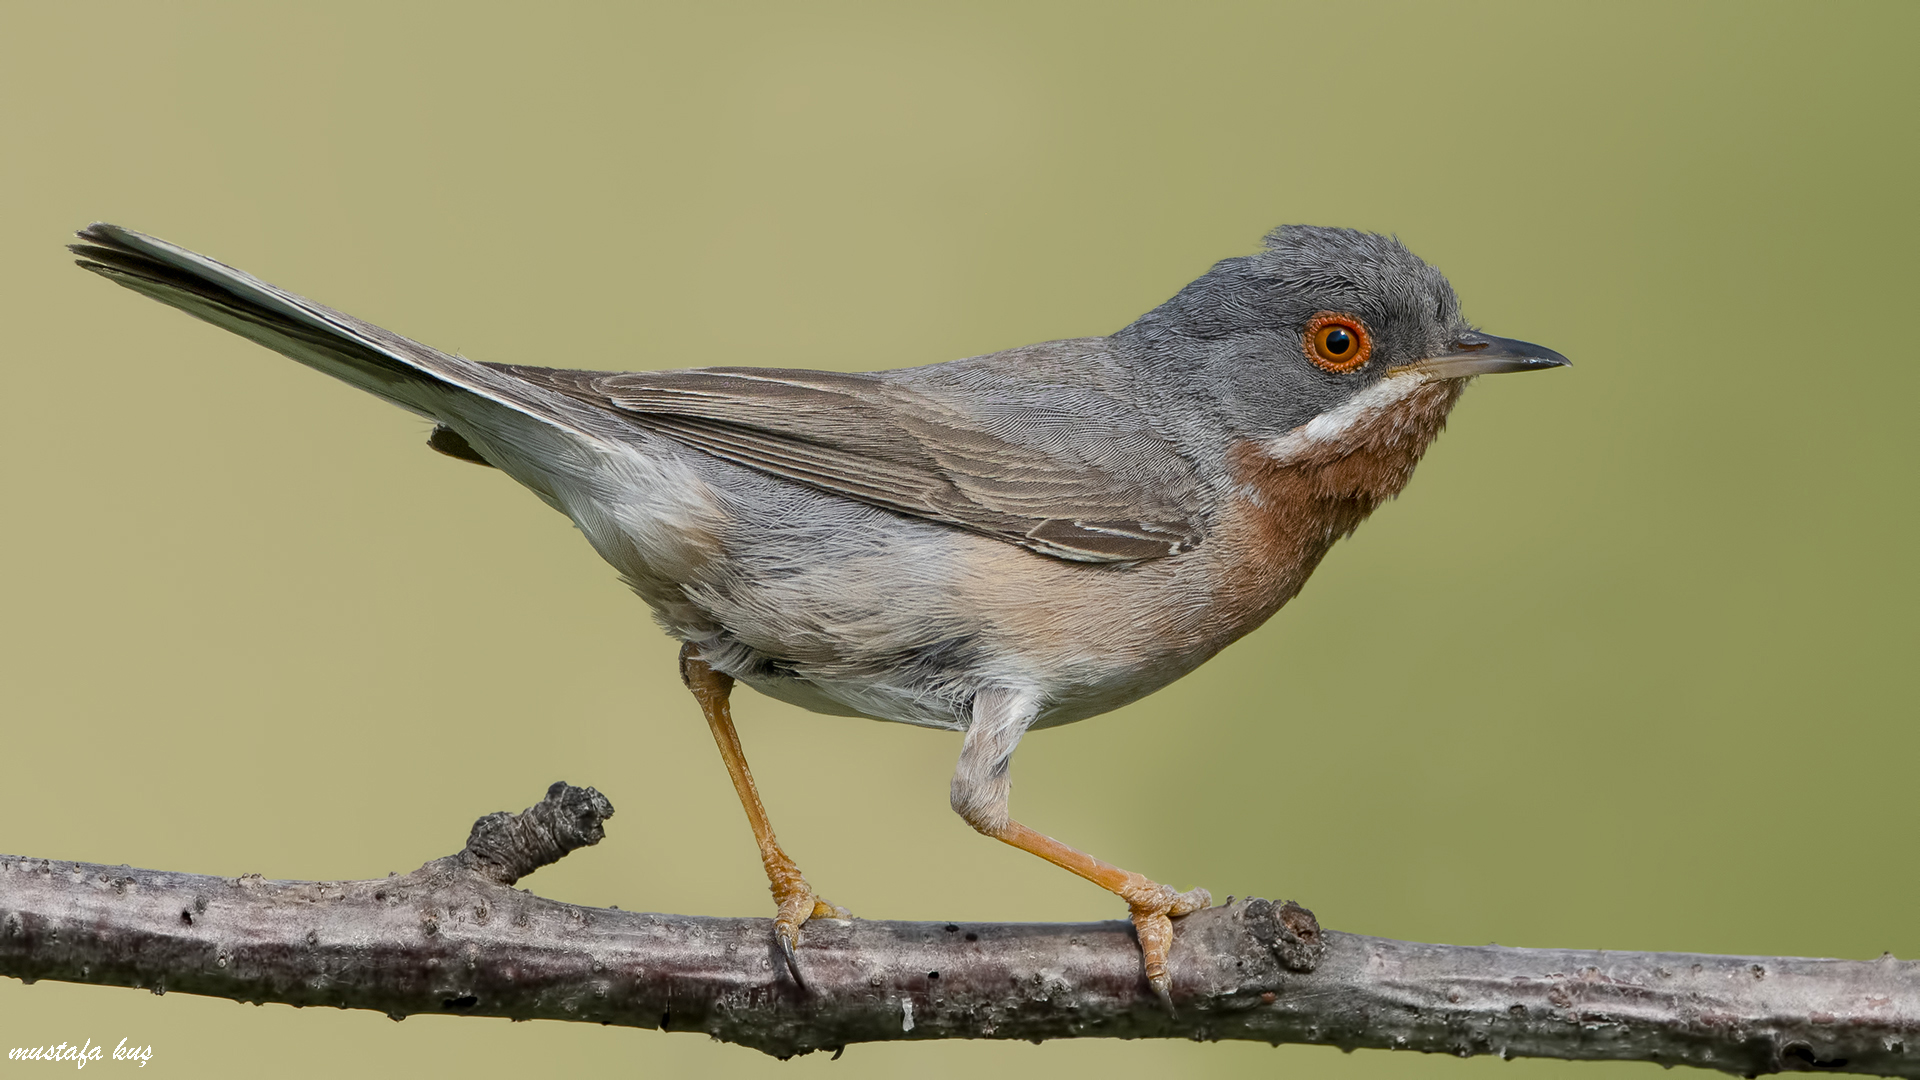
[{"x": 454, "y": 936}]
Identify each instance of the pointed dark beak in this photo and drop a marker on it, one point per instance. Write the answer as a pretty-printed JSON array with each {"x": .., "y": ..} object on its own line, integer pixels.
[{"x": 1475, "y": 353}]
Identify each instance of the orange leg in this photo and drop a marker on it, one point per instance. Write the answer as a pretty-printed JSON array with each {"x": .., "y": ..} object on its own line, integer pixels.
[
  {"x": 982, "y": 784},
  {"x": 1152, "y": 905},
  {"x": 795, "y": 899}
]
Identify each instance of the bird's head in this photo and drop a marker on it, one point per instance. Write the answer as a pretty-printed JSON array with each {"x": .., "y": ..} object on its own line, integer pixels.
[{"x": 1319, "y": 321}]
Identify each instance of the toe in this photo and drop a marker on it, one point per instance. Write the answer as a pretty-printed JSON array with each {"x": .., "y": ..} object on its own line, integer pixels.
[
  {"x": 797, "y": 904},
  {"x": 1153, "y": 909},
  {"x": 1188, "y": 902},
  {"x": 793, "y": 913},
  {"x": 1155, "y": 930},
  {"x": 786, "y": 932}
]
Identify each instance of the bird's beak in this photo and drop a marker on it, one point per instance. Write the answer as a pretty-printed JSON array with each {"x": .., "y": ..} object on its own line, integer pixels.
[{"x": 1475, "y": 353}]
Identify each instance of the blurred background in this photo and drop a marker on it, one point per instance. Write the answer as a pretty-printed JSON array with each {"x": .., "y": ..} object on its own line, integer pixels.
[{"x": 1628, "y": 667}]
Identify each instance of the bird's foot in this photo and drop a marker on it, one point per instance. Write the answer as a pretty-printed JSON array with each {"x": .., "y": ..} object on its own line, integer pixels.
[
  {"x": 795, "y": 903},
  {"x": 1154, "y": 907}
]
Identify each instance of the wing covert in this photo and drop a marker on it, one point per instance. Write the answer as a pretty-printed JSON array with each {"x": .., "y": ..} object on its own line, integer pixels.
[{"x": 1064, "y": 475}]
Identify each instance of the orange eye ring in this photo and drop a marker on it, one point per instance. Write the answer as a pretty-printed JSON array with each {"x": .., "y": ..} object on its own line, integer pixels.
[{"x": 1337, "y": 343}]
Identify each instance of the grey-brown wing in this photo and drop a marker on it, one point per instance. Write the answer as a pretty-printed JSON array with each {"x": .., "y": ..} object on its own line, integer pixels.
[{"x": 1059, "y": 474}]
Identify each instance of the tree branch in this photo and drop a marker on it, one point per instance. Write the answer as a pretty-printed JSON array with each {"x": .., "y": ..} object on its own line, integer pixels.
[{"x": 454, "y": 936}]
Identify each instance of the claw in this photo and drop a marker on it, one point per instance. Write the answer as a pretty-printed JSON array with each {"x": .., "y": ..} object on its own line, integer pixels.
[
  {"x": 1154, "y": 908},
  {"x": 787, "y": 936},
  {"x": 797, "y": 904}
]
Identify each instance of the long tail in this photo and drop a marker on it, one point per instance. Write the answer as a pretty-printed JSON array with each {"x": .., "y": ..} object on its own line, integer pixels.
[{"x": 452, "y": 390}]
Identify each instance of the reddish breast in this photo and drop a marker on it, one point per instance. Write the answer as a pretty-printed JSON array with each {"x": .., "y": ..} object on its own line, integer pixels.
[
  {"x": 1295, "y": 495},
  {"x": 1097, "y": 637}
]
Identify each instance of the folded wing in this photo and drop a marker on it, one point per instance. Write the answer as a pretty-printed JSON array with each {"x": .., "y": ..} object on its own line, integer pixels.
[{"x": 1054, "y": 473}]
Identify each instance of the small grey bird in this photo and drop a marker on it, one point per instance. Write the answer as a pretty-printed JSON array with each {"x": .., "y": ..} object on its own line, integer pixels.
[{"x": 988, "y": 545}]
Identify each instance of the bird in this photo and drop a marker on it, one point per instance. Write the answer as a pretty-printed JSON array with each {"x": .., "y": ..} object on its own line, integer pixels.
[{"x": 988, "y": 545}]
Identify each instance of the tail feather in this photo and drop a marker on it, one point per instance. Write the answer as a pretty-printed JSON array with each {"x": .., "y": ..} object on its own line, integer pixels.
[{"x": 416, "y": 377}]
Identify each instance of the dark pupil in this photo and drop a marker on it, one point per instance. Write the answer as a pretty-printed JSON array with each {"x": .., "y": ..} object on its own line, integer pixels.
[{"x": 1338, "y": 342}]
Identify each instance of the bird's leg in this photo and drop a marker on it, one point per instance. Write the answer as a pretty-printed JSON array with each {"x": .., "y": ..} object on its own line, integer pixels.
[
  {"x": 982, "y": 785},
  {"x": 1152, "y": 905},
  {"x": 795, "y": 899}
]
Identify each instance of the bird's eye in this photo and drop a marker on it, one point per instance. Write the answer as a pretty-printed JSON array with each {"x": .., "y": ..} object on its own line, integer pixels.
[{"x": 1337, "y": 343}]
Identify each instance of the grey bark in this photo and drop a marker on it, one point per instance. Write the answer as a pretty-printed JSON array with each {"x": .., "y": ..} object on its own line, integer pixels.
[{"x": 455, "y": 937}]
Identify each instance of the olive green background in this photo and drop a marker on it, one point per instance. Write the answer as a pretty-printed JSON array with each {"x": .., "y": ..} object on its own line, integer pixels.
[{"x": 1628, "y": 667}]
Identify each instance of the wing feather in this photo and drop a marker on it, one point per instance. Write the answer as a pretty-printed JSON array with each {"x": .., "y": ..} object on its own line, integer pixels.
[{"x": 1070, "y": 484}]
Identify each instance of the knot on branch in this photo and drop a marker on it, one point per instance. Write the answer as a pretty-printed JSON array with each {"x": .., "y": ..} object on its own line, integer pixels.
[
  {"x": 506, "y": 847},
  {"x": 1289, "y": 932}
]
